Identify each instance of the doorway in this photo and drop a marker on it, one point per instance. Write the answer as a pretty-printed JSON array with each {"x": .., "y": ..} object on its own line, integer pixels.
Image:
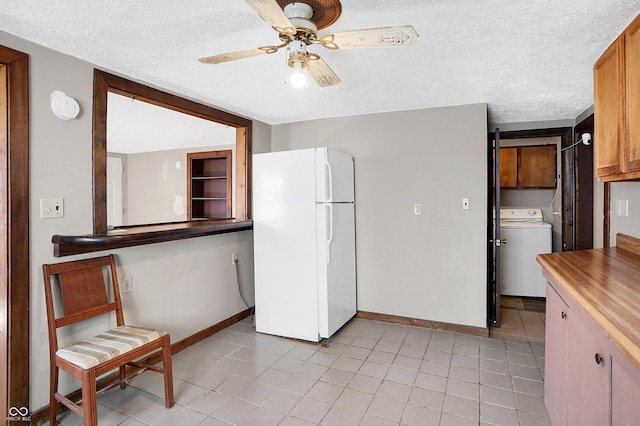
[
  {"x": 14, "y": 231},
  {"x": 577, "y": 199}
]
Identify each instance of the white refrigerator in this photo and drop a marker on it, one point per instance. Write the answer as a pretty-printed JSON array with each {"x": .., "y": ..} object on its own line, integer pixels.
[{"x": 304, "y": 242}]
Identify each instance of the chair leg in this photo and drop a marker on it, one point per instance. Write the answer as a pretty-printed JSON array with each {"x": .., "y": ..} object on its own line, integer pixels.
[
  {"x": 121, "y": 375},
  {"x": 168, "y": 373},
  {"x": 53, "y": 386},
  {"x": 89, "y": 399}
]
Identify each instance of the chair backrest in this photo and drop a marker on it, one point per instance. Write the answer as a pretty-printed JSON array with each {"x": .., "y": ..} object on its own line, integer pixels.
[{"x": 84, "y": 292}]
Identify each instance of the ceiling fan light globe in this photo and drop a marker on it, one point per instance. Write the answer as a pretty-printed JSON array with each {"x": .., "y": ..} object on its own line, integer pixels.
[{"x": 298, "y": 79}]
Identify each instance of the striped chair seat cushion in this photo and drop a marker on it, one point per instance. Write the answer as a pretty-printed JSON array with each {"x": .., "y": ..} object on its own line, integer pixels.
[{"x": 103, "y": 347}]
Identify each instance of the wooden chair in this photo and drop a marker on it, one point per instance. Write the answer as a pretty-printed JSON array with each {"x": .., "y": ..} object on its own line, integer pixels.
[{"x": 85, "y": 294}]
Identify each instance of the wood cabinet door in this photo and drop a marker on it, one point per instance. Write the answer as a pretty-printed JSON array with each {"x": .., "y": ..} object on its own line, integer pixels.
[
  {"x": 632, "y": 94},
  {"x": 625, "y": 392},
  {"x": 589, "y": 358},
  {"x": 537, "y": 167},
  {"x": 508, "y": 168},
  {"x": 555, "y": 372},
  {"x": 608, "y": 109}
]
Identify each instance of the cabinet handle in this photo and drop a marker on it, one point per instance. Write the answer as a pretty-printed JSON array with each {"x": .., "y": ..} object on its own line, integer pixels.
[
  {"x": 563, "y": 315},
  {"x": 599, "y": 359}
]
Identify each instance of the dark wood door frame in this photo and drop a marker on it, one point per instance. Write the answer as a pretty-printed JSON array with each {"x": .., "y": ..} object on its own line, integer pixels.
[
  {"x": 565, "y": 134},
  {"x": 583, "y": 178},
  {"x": 493, "y": 230},
  {"x": 14, "y": 232}
]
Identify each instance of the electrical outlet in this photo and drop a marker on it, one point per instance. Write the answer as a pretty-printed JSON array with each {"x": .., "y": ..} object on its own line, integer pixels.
[
  {"x": 234, "y": 258},
  {"x": 126, "y": 286},
  {"x": 51, "y": 207},
  {"x": 417, "y": 209}
]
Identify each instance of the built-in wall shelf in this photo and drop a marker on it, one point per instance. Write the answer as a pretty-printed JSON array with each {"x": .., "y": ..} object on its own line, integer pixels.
[{"x": 209, "y": 185}]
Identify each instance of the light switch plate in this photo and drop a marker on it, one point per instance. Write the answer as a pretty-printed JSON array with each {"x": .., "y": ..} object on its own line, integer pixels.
[
  {"x": 127, "y": 285},
  {"x": 622, "y": 208},
  {"x": 51, "y": 208}
]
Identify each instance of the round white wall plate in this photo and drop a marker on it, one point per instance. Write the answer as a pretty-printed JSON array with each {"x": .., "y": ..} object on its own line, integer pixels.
[{"x": 63, "y": 106}]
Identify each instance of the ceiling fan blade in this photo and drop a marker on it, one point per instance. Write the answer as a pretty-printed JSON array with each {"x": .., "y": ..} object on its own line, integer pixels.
[
  {"x": 320, "y": 71},
  {"x": 241, "y": 54},
  {"x": 272, "y": 13},
  {"x": 374, "y": 37}
]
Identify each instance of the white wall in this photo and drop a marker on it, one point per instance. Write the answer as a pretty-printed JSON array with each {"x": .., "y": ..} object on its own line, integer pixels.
[
  {"x": 430, "y": 266},
  {"x": 181, "y": 286},
  {"x": 166, "y": 201},
  {"x": 163, "y": 201},
  {"x": 626, "y": 225},
  {"x": 598, "y": 212}
]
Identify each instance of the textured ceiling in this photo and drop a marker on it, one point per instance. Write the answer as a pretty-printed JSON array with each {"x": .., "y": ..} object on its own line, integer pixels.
[{"x": 528, "y": 60}]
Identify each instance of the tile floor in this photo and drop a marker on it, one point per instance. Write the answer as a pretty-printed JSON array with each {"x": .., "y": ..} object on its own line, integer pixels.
[{"x": 372, "y": 373}]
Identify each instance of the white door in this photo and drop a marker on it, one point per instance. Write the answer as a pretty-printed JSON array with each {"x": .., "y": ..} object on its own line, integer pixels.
[
  {"x": 336, "y": 266},
  {"x": 114, "y": 191}
]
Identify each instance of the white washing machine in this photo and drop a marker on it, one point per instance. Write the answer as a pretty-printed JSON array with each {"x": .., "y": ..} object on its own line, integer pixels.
[{"x": 526, "y": 235}]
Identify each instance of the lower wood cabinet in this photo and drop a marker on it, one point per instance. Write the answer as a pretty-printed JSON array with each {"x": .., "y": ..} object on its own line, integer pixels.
[
  {"x": 625, "y": 395},
  {"x": 588, "y": 380},
  {"x": 556, "y": 358}
]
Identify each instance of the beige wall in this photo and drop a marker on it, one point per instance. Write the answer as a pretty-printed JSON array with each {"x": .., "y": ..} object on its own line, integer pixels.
[
  {"x": 626, "y": 225},
  {"x": 430, "y": 266},
  {"x": 167, "y": 201},
  {"x": 181, "y": 286}
]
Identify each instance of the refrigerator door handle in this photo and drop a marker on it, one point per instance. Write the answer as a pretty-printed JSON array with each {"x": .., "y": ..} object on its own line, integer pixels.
[
  {"x": 330, "y": 232},
  {"x": 330, "y": 179}
]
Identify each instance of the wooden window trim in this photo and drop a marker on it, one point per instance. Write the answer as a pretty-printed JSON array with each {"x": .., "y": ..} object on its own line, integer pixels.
[
  {"x": 102, "y": 239},
  {"x": 14, "y": 282}
]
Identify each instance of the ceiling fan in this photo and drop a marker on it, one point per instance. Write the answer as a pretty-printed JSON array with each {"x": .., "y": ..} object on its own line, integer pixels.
[{"x": 297, "y": 26}]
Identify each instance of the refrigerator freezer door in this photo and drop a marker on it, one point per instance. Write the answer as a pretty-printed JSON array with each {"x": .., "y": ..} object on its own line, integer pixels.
[
  {"x": 336, "y": 266},
  {"x": 284, "y": 231},
  {"x": 335, "y": 176}
]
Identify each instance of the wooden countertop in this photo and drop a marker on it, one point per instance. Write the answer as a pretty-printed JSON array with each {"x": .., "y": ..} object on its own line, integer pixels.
[
  {"x": 65, "y": 245},
  {"x": 606, "y": 284}
]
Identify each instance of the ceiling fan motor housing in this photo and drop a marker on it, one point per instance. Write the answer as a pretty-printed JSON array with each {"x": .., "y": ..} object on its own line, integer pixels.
[{"x": 300, "y": 16}]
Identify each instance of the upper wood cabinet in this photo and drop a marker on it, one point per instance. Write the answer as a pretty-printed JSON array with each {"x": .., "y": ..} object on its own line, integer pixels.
[
  {"x": 632, "y": 94},
  {"x": 528, "y": 167},
  {"x": 509, "y": 167},
  {"x": 617, "y": 107},
  {"x": 537, "y": 166}
]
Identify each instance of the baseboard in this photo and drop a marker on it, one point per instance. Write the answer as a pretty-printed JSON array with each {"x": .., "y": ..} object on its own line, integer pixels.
[
  {"x": 41, "y": 415},
  {"x": 436, "y": 325}
]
